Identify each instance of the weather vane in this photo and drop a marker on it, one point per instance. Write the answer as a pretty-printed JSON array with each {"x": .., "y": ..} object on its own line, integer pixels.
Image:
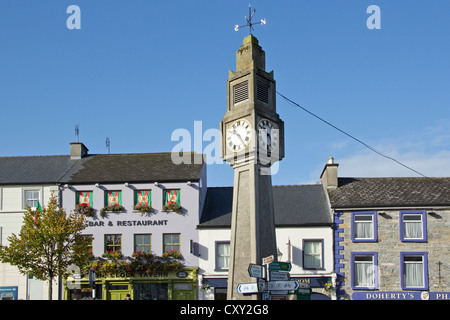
[{"x": 249, "y": 20}]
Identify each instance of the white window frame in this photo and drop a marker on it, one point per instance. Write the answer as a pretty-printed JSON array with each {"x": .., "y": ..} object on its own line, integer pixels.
[
  {"x": 39, "y": 197},
  {"x": 218, "y": 266}
]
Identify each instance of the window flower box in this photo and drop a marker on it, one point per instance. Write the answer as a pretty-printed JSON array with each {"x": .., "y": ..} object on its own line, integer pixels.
[
  {"x": 172, "y": 206},
  {"x": 85, "y": 209},
  {"x": 111, "y": 209},
  {"x": 142, "y": 208}
]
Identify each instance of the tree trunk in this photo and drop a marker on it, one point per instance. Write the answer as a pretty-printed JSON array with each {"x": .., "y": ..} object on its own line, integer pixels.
[{"x": 50, "y": 289}]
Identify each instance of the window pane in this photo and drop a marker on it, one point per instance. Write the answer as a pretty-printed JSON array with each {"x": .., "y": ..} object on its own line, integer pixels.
[
  {"x": 223, "y": 255},
  {"x": 171, "y": 242},
  {"x": 363, "y": 227},
  {"x": 363, "y": 274},
  {"x": 31, "y": 198},
  {"x": 412, "y": 226},
  {"x": 312, "y": 254},
  {"x": 113, "y": 242},
  {"x": 413, "y": 273},
  {"x": 143, "y": 242}
]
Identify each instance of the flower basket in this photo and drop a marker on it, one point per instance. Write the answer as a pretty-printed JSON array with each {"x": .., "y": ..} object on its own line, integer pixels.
[
  {"x": 114, "y": 255},
  {"x": 172, "y": 206},
  {"x": 328, "y": 287},
  {"x": 114, "y": 209},
  {"x": 142, "y": 208},
  {"x": 171, "y": 254},
  {"x": 83, "y": 208}
]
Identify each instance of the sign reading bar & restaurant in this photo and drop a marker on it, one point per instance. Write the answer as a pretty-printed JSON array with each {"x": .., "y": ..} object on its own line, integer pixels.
[{"x": 127, "y": 223}]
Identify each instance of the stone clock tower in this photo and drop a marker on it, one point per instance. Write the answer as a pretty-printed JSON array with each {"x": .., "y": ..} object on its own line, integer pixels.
[{"x": 252, "y": 140}]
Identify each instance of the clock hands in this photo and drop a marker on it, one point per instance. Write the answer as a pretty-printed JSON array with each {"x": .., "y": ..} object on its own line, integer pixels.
[{"x": 239, "y": 136}]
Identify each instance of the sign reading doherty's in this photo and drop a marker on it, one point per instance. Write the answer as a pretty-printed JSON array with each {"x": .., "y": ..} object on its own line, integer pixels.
[
  {"x": 127, "y": 223},
  {"x": 422, "y": 295}
]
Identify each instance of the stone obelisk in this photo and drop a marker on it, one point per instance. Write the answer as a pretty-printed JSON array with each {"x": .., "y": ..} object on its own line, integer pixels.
[{"x": 252, "y": 140}]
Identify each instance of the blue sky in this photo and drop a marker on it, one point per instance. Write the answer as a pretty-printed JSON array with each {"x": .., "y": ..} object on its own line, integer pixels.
[{"x": 138, "y": 70}]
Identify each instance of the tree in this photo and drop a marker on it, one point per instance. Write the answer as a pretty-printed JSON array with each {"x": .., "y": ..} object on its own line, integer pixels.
[{"x": 48, "y": 243}]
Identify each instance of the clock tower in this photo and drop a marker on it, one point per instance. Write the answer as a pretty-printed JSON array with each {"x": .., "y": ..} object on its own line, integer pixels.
[{"x": 252, "y": 140}]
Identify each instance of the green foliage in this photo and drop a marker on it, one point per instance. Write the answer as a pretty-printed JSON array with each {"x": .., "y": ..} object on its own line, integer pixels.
[
  {"x": 140, "y": 263},
  {"x": 114, "y": 208},
  {"x": 48, "y": 243},
  {"x": 172, "y": 206}
]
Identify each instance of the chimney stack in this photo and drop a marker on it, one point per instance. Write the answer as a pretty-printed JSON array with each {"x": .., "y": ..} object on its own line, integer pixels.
[
  {"x": 77, "y": 150},
  {"x": 329, "y": 174}
]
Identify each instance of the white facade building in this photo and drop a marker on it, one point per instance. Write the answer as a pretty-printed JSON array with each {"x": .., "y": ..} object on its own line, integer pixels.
[{"x": 303, "y": 231}]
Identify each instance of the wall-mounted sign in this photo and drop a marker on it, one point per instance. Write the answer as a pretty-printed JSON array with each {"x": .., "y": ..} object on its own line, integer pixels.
[
  {"x": 182, "y": 274},
  {"x": 8, "y": 293},
  {"x": 423, "y": 295},
  {"x": 127, "y": 223}
]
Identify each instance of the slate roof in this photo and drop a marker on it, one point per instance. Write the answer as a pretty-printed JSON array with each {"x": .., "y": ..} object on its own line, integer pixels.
[
  {"x": 101, "y": 168},
  {"x": 138, "y": 167},
  {"x": 390, "y": 192},
  {"x": 34, "y": 170},
  {"x": 295, "y": 205}
]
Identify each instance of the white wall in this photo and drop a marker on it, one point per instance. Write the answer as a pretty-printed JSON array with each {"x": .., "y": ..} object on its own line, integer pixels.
[{"x": 11, "y": 217}]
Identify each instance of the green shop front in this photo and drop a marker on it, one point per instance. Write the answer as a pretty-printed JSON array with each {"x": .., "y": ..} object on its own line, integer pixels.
[{"x": 172, "y": 285}]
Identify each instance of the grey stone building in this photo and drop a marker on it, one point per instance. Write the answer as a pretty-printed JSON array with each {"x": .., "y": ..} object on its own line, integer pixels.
[{"x": 391, "y": 236}]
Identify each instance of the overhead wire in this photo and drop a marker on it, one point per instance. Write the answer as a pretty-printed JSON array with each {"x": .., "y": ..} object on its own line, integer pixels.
[{"x": 349, "y": 135}]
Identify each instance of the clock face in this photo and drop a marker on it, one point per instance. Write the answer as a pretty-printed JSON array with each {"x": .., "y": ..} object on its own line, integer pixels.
[
  {"x": 268, "y": 135},
  {"x": 238, "y": 135}
]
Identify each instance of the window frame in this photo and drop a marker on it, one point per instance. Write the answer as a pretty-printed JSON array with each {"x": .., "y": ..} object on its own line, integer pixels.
[
  {"x": 114, "y": 245},
  {"x": 424, "y": 226},
  {"x": 217, "y": 267},
  {"x": 78, "y": 194},
  {"x": 375, "y": 274},
  {"x": 166, "y": 192},
  {"x": 374, "y": 237},
  {"x": 172, "y": 243},
  {"x": 106, "y": 195},
  {"x": 143, "y": 245},
  {"x": 39, "y": 197},
  {"x": 136, "y": 196},
  {"x": 424, "y": 256},
  {"x": 322, "y": 263}
]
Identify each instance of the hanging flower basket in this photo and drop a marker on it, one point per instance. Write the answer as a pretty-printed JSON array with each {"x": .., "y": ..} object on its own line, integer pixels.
[{"x": 85, "y": 209}]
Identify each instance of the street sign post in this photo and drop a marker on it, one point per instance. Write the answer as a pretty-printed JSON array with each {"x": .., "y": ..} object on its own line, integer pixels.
[
  {"x": 280, "y": 266},
  {"x": 247, "y": 288},
  {"x": 256, "y": 271},
  {"x": 282, "y": 285},
  {"x": 268, "y": 259},
  {"x": 279, "y": 276}
]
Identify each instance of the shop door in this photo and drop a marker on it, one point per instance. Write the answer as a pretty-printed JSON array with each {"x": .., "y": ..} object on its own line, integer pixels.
[
  {"x": 118, "y": 295},
  {"x": 118, "y": 292},
  {"x": 183, "y": 291},
  {"x": 183, "y": 295}
]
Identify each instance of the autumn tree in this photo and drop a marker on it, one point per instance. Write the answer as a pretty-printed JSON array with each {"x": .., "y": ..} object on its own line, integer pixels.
[{"x": 48, "y": 243}]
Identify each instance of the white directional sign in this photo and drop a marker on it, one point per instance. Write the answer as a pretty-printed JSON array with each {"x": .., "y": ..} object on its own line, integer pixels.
[
  {"x": 247, "y": 288},
  {"x": 282, "y": 285},
  {"x": 279, "y": 276},
  {"x": 268, "y": 259},
  {"x": 256, "y": 271}
]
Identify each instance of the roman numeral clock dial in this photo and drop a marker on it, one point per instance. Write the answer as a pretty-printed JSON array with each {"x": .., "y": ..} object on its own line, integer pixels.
[
  {"x": 267, "y": 135},
  {"x": 238, "y": 135}
]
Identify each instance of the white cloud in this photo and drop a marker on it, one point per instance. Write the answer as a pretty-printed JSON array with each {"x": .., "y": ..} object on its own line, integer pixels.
[{"x": 425, "y": 150}]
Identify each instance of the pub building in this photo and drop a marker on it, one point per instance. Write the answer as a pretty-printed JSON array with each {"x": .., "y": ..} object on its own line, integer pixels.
[{"x": 142, "y": 211}]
